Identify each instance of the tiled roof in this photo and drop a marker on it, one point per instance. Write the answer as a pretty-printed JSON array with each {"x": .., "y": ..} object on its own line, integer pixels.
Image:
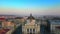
[
  {"x": 2, "y": 18},
  {"x": 18, "y": 17},
  {"x": 3, "y": 31}
]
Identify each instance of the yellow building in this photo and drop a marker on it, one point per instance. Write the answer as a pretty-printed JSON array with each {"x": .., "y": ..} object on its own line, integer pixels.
[
  {"x": 31, "y": 27},
  {"x": 8, "y": 24}
]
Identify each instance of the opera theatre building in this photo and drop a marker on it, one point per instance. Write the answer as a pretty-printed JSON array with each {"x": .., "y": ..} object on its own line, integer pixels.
[{"x": 31, "y": 27}]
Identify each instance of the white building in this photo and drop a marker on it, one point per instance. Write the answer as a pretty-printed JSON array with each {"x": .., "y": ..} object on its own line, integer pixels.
[{"x": 31, "y": 27}]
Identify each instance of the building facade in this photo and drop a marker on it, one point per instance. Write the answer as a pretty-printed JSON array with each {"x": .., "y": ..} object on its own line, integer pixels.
[
  {"x": 31, "y": 27},
  {"x": 55, "y": 26}
]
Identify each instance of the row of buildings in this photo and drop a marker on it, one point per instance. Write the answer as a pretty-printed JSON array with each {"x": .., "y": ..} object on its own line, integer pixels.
[
  {"x": 10, "y": 22},
  {"x": 41, "y": 25},
  {"x": 31, "y": 25}
]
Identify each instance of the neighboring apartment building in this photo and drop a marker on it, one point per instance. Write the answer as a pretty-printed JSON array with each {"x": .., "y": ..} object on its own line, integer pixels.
[
  {"x": 8, "y": 24},
  {"x": 53, "y": 25}
]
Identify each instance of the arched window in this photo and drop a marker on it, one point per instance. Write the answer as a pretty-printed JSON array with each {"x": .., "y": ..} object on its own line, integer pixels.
[
  {"x": 27, "y": 30},
  {"x": 34, "y": 30},
  {"x": 30, "y": 30}
]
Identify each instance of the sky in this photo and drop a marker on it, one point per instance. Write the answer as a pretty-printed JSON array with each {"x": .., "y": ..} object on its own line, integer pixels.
[{"x": 25, "y": 7}]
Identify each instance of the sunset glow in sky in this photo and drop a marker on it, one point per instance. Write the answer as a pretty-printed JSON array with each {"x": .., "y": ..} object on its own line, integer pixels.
[{"x": 25, "y": 7}]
